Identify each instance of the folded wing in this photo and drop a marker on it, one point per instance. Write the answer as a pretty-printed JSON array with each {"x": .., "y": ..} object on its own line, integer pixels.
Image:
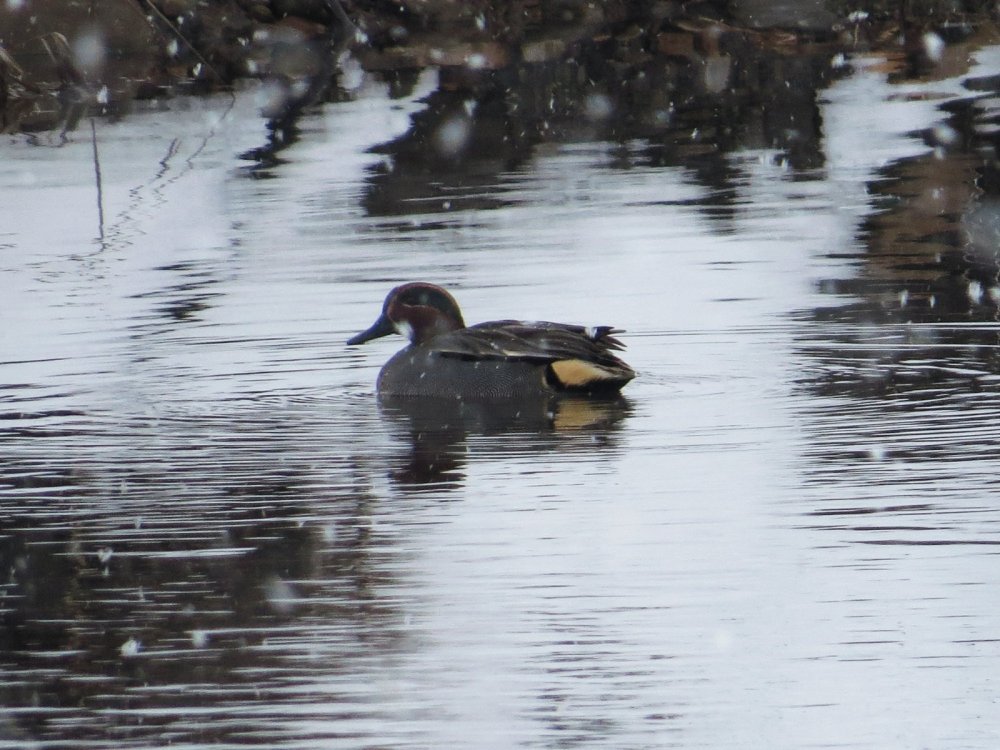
[{"x": 578, "y": 358}]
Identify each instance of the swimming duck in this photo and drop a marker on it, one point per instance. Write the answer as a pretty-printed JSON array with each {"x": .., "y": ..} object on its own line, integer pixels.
[{"x": 499, "y": 359}]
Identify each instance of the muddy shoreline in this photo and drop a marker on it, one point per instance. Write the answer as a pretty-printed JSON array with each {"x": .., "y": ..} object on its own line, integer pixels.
[{"x": 59, "y": 63}]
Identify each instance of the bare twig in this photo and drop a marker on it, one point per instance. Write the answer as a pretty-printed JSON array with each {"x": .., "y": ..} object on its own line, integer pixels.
[
  {"x": 177, "y": 33},
  {"x": 97, "y": 179}
]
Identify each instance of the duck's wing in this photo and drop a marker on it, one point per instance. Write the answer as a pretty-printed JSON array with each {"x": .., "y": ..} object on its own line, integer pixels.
[{"x": 579, "y": 357}]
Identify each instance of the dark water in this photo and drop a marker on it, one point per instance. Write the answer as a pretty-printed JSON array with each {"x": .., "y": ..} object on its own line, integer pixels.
[{"x": 785, "y": 536}]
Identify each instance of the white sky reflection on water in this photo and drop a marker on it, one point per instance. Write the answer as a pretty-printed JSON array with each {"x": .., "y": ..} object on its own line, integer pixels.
[{"x": 737, "y": 562}]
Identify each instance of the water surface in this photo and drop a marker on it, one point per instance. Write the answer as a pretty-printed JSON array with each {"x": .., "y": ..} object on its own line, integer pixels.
[{"x": 784, "y": 536}]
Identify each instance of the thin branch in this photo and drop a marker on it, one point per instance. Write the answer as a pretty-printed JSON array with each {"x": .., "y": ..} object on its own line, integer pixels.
[
  {"x": 177, "y": 33},
  {"x": 97, "y": 179}
]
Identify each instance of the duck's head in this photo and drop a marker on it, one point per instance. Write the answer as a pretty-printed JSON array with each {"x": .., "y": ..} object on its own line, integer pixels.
[{"x": 418, "y": 310}]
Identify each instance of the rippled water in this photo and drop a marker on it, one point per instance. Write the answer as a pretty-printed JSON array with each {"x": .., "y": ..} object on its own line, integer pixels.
[{"x": 785, "y": 536}]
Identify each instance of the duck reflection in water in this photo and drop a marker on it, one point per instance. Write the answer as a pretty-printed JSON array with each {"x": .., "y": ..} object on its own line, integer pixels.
[
  {"x": 540, "y": 379},
  {"x": 438, "y": 432}
]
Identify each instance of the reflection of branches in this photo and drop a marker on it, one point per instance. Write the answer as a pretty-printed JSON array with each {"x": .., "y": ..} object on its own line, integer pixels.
[{"x": 154, "y": 186}]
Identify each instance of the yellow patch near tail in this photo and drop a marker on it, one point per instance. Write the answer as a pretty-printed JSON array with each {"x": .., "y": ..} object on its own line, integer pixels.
[{"x": 576, "y": 373}]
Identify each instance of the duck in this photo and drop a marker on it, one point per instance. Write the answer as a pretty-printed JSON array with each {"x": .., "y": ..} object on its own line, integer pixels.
[{"x": 503, "y": 359}]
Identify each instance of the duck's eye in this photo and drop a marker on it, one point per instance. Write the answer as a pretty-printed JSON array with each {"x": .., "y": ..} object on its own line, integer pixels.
[{"x": 417, "y": 299}]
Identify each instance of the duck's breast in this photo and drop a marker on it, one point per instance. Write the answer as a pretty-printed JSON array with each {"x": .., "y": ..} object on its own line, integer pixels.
[{"x": 418, "y": 371}]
